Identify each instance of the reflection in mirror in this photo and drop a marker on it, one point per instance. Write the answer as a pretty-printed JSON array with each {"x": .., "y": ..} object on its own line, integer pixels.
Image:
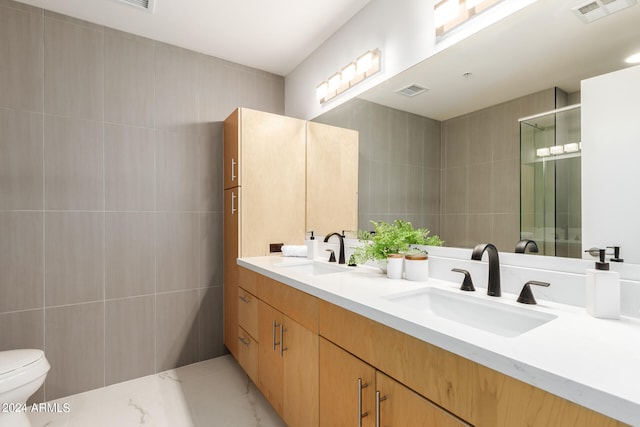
[
  {"x": 459, "y": 177},
  {"x": 550, "y": 198},
  {"x": 468, "y": 188}
]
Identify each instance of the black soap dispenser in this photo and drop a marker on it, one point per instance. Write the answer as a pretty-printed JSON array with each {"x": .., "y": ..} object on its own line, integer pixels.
[{"x": 603, "y": 289}]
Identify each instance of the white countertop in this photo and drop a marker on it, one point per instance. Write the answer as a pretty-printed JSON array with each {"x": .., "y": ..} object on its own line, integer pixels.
[{"x": 592, "y": 362}]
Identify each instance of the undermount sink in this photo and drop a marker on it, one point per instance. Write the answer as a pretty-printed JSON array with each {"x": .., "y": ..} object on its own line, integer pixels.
[
  {"x": 312, "y": 268},
  {"x": 491, "y": 316}
]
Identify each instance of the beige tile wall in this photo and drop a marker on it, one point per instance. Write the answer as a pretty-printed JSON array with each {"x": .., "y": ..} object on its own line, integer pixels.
[{"x": 111, "y": 196}]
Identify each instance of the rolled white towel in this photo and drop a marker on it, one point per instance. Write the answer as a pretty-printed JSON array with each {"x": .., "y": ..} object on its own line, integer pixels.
[{"x": 294, "y": 250}]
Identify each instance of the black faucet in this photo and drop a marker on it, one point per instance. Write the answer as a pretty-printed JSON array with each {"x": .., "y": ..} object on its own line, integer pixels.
[
  {"x": 493, "y": 286},
  {"x": 522, "y": 245},
  {"x": 341, "y": 237}
]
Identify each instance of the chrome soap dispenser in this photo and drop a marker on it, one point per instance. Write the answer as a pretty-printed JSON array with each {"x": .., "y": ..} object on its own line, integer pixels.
[{"x": 603, "y": 290}]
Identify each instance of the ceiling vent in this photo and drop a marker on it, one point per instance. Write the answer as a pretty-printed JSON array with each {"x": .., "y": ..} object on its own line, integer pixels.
[
  {"x": 412, "y": 90},
  {"x": 147, "y": 5},
  {"x": 596, "y": 9}
]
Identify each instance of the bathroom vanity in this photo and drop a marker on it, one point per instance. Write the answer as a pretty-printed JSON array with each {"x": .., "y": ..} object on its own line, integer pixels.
[{"x": 334, "y": 344}]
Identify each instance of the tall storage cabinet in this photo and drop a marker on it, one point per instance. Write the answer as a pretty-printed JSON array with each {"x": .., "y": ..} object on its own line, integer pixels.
[
  {"x": 282, "y": 177},
  {"x": 264, "y": 198}
]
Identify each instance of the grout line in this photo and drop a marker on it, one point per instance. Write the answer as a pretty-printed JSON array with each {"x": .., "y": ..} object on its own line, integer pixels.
[
  {"x": 104, "y": 217},
  {"x": 44, "y": 226},
  {"x": 155, "y": 209}
]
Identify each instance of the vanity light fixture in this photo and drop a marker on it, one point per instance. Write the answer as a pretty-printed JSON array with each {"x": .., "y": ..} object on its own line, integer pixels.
[
  {"x": 448, "y": 14},
  {"x": 334, "y": 82},
  {"x": 351, "y": 74}
]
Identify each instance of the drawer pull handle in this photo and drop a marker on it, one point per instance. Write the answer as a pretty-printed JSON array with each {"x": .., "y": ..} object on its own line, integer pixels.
[
  {"x": 244, "y": 299},
  {"x": 233, "y": 169},
  {"x": 233, "y": 203},
  {"x": 273, "y": 335},
  {"x": 282, "y": 347},
  {"x": 360, "y": 414},
  {"x": 378, "y": 400},
  {"x": 244, "y": 341}
]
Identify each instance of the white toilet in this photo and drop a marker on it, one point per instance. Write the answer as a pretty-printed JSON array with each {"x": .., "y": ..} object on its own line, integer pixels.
[{"x": 22, "y": 372}]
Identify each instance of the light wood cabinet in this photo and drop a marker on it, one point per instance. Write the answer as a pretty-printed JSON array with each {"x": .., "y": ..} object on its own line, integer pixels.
[
  {"x": 288, "y": 367},
  {"x": 400, "y": 406},
  {"x": 332, "y": 178},
  {"x": 270, "y": 355},
  {"x": 270, "y": 170},
  {"x": 353, "y": 393},
  {"x": 264, "y": 198},
  {"x": 476, "y": 394},
  {"x": 230, "y": 268},
  {"x": 347, "y": 388}
]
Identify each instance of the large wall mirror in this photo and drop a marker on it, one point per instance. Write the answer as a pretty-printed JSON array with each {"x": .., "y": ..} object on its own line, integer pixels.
[{"x": 449, "y": 158}]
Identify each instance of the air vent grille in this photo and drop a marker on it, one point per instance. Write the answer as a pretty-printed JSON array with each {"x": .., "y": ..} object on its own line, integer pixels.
[
  {"x": 596, "y": 9},
  {"x": 412, "y": 90},
  {"x": 147, "y": 5}
]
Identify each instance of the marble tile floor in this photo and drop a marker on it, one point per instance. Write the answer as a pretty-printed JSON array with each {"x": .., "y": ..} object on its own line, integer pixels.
[{"x": 212, "y": 393}]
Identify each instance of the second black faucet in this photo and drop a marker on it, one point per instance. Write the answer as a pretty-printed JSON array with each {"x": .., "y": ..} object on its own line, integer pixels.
[{"x": 493, "y": 285}]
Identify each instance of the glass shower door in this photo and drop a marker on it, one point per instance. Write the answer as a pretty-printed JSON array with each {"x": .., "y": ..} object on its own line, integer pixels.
[{"x": 550, "y": 188}]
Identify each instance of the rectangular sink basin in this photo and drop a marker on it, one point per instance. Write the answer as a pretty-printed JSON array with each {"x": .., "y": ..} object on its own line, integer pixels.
[
  {"x": 312, "y": 268},
  {"x": 491, "y": 316}
]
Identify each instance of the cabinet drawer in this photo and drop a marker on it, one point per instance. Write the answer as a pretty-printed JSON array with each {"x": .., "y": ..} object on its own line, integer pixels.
[
  {"x": 297, "y": 305},
  {"x": 248, "y": 312},
  {"x": 248, "y": 354},
  {"x": 248, "y": 280}
]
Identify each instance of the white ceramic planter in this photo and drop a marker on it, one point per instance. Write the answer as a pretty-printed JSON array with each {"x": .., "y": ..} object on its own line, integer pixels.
[
  {"x": 394, "y": 266},
  {"x": 416, "y": 267}
]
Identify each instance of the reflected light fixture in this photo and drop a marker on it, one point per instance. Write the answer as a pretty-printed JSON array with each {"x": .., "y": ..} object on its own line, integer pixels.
[
  {"x": 556, "y": 149},
  {"x": 543, "y": 152},
  {"x": 351, "y": 74},
  {"x": 572, "y": 147}
]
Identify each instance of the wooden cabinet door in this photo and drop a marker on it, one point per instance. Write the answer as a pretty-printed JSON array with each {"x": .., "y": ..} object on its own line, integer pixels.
[
  {"x": 300, "y": 375},
  {"x": 332, "y": 178},
  {"x": 272, "y": 169},
  {"x": 230, "y": 267},
  {"x": 347, "y": 388},
  {"x": 270, "y": 359},
  {"x": 400, "y": 407},
  {"x": 231, "y": 150}
]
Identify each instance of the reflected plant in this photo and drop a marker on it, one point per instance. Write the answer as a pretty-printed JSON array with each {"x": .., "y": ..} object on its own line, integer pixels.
[{"x": 389, "y": 238}]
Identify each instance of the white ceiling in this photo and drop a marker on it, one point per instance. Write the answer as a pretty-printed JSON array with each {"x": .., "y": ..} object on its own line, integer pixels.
[
  {"x": 541, "y": 46},
  {"x": 271, "y": 35}
]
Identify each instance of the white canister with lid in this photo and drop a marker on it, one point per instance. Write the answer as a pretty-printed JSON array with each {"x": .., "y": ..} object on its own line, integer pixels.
[
  {"x": 416, "y": 267},
  {"x": 394, "y": 266}
]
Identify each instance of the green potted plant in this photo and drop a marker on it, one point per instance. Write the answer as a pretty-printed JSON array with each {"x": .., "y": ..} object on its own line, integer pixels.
[{"x": 391, "y": 238}]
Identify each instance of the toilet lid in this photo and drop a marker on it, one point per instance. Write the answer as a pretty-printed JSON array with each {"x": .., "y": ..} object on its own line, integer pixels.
[{"x": 11, "y": 360}]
